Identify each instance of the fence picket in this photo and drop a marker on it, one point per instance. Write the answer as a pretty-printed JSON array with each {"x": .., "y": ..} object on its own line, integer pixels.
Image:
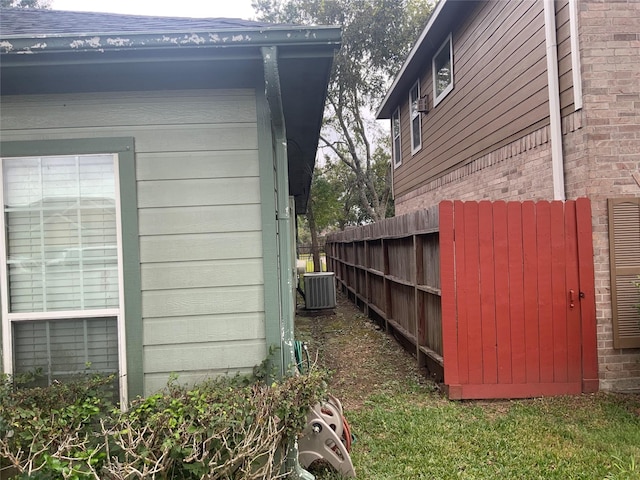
[
  {"x": 590, "y": 380},
  {"x": 472, "y": 284},
  {"x": 531, "y": 305},
  {"x": 450, "y": 330},
  {"x": 559, "y": 292},
  {"x": 503, "y": 294},
  {"x": 545, "y": 292},
  {"x": 517, "y": 293},
  {"x": 573, "y": 283},
  {"x": 487, "y": 257}
]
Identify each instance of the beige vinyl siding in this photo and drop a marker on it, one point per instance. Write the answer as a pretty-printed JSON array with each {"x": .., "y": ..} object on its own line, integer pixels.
[
  {"x": 500, "y": 91},
  {"x": 199, "y": 217},
  {"x": 565, "y": 71}
]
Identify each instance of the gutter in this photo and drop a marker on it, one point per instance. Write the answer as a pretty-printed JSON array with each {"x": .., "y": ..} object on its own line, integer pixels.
[
  {"x": 103, "y": 42},
  {"x": 553, "y": 81}
]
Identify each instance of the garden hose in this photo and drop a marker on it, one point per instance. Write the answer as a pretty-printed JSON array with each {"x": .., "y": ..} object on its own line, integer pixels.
[
  {"x": 302, "y": 353},
  {"x": 347, "y": 436}
]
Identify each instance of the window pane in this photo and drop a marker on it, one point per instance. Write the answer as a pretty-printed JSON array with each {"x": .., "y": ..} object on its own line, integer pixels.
[
  {"x": 415, "y": 95},
  {"x": 60, "y": 349},
  {"x": 61, "y": 233},
  {"x": 415, "y": 131},
  {"x": 395, "y": 127},
  {"x": 442, "y": 63}
]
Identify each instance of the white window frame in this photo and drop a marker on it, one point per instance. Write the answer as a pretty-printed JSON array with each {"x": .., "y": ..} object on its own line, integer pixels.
[
  {"x": 413, "y": 115},
  {"x": 9, "y": 318},
  {"x": 437, "y": 98},
  {"x": 396, "y": 152}
]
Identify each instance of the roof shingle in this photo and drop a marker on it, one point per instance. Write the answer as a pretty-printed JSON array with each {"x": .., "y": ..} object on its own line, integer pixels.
[{"x": 25, "y": 22}]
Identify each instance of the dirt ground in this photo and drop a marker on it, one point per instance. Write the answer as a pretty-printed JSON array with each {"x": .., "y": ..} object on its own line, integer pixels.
[{"x": 363, "y": 359}]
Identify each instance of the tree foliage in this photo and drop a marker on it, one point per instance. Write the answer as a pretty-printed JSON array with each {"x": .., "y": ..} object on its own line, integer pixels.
[
  {"x": 377, "y": 35},
  {"x": 25, "y": 3}
]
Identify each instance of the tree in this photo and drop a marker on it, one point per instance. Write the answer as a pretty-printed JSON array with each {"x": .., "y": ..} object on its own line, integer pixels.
[
  {"x": 334, "y": 202},
  {"x": 322, "y": 211},
  {"x": 25, "y": 3},
  {"x": 377, "y": 35}
]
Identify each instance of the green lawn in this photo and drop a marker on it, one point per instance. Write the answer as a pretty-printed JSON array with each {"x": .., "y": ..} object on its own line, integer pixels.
[
  {"x": 418, "y": 435},
  {"x": 405, "y": 429}
]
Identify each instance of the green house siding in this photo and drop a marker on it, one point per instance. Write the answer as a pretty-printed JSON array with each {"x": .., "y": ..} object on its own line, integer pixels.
[{"x": 199, "y": 214}]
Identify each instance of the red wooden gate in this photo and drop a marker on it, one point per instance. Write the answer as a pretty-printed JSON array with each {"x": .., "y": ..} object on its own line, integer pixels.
[{"x": 518, "y": 306}]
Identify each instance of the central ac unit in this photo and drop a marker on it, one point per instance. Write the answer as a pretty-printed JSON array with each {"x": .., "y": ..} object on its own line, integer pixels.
[{"x": 319, "y": 290}]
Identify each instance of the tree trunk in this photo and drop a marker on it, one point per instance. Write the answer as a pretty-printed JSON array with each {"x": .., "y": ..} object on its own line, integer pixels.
[{"x": 315, "y": 248}]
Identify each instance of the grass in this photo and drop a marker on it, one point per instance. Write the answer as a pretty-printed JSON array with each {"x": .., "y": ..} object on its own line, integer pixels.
[
  {"x": 406, "y": 430},
  {"x": 307, "y": 258},
  {"x": 418, "y": 435}
]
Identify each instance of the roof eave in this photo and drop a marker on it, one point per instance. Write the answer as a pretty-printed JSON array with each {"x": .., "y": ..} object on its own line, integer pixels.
[
  {"x": 387, "y": 106},
  {"x": 102, "y": 42}
]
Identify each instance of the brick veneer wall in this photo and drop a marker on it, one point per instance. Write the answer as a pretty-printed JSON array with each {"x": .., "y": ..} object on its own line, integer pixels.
[
  {"x": 520, "y": 171},
  {"x": 610, "y": 56},
  {"x": 601, "y": 146}
]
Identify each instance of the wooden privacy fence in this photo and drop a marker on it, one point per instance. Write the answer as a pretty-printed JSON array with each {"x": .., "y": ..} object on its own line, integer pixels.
[
  {"x": 391, "y": 269},
  {"x": 498, "y": 298}
]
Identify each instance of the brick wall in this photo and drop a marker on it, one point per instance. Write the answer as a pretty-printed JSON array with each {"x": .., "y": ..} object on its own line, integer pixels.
[
  {"x": 610, "y": 55},
  {"x": 519, "y": 171},
  {"x": 602, "y": 153}
]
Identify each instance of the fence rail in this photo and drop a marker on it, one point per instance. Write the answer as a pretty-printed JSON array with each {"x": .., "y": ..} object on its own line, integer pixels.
[{"x": 391, "y": 269}]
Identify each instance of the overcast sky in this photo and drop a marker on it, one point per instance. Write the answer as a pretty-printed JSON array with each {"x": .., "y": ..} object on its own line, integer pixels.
[{"x": 175, "y": 8}]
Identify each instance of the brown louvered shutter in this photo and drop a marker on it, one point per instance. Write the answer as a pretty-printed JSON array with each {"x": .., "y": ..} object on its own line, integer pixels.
[{"x": 624, "y": 241}]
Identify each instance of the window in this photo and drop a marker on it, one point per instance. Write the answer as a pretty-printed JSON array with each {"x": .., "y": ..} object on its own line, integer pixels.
[
  {"x": 416, "y": 133},
  {"x": 443, "y": 71},
  {"x": 395, "y": 129},
  {"x": 61, "y": 266}
]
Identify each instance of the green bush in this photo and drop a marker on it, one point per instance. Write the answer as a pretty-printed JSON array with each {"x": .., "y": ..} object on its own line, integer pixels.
[
  {"x": 220, "y": 429},
  {"x": 51, "y": 432}
]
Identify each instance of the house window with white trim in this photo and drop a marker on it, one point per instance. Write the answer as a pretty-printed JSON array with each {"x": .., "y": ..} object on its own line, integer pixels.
[
  {"x": 395, "y": 131},
  {"x": 61, "y": 269},
  {"x": 443, "y": 71},
  {"x": 416, "y": 131}
]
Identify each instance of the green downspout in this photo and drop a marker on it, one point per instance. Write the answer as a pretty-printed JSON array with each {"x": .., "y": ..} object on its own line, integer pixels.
[
  {"x": 274, "y": 98},
  {"x": 285, "y": 224}
]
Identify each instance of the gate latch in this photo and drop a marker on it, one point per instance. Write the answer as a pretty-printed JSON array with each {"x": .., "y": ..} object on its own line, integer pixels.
[{"x": 572, "y": 298}]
